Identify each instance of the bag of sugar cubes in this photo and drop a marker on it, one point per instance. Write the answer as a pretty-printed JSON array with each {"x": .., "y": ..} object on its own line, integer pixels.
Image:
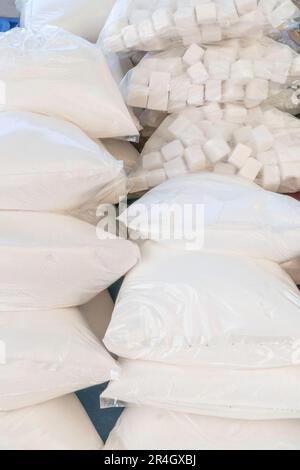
[
  {"x": 260, "y": 144},
  {"x": 234, "y": 71},
  {"x": 156, "y": 25}
]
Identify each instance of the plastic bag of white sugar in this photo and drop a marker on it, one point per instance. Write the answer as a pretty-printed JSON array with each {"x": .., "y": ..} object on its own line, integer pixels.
[
  {"x": 53, "y": 72},
  {"x": 260, "y": 144},
  {"x": 82, "y": 17},
  {"x": 140, "y": 25}
]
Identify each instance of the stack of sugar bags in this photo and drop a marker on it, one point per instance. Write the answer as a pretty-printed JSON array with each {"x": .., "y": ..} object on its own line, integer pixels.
[
  {"x": 208, "y": 323},
  {"x": 57, "y": 99}
]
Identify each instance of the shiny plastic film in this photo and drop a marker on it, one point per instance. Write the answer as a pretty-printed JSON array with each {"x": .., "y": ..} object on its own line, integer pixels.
[
  {"x": 82, "y": 17},
  {"x": 167, "y": 311},
  {"x": 242, "y": 71},
  {"x": 259, "y": 144},
  {"x": 155, "y": 429},
  {"x": 229, "y": 215},
  {"x": 140, "y": 25},
  {"x": 53, "y": 72},
  {"x": 259, "y": 394}
]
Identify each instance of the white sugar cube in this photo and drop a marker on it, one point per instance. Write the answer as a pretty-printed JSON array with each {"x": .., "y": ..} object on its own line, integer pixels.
[
  {"x": 262, "y": 138},
  {"x": 152, "y": 161},
  {"x": 262, "y": 69},
  {"x": 242, "y": 135},
  {"x": 175, "y": 167},
  {"x": 172, "y": 65},
  {"x": 226, "y": 12},
  {"x": 251, "y": 169},
  {"x": 283, "y": 12},
  {"x": 257, "y": 90},
  {"x": 158, "y": 100},
  {"x": 193, "y": 55},
  {"x": 206, "y": 13},
  {"x": 137, "y": 183},
  {"x": 137, "y": 96},
  {"x": 179, "y": 126},
  {"x": 193, "y": 135},
  {"x": 162, "y": 20},
  {"x": 198, "y": 73},
  {"x": 156, "y": 177},
  {"x": 179, "y": 88},
  {"x": 233, "y": 91},
  {"x": 216, "y": 150},
  {"x": 114, "y": 43},
  {"x": 224, "y": 168},
  {"x": 130, "y": 36},
  {"x": 218, "y": 69},
  {"x": 172, "y": 150},
  {"x": 213, "y": 90},
  {"x": 240, "y": 155},
  {"x": 235, "y": 113},
  {"x": 271, "y": 177},
  {"x": 184, "y": 17},
  {"x": 159, "y": 81},
  {"x": 174, "y": 106},
  {"x": 140, "y": 76},
  {"x": 151, "y": 63},
  {"x": 252, "y": 51},
  {"x": 255, "y": 116},
  {"x": 191, "y": 36},
  {"x": 211, "y": 33},
  {"x": 146, "y": 31},
  {"x": 280, "y": 72},
  {"x": 115, "y": 27},
  {"x": 295, "y": 68},
  {"x": 275, "y": 119},
  {"x": 195, "y": 95},
  {"x": 245, "y": 6},
  {"x": 242, "y": 71},
  {"x": 269, "y": 157},
  {"x": 195, "y": 158},
  {"x": 213, "y": 112}
]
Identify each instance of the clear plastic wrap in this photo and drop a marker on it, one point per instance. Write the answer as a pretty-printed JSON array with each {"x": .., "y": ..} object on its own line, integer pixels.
[
  {"x": 237, "y": 216},
  {"x": 82, "y": 17},
  {"x": 185, "y": 307},
  {"x": 262, "y": 394},
  {"x": 60, "y": 424},
  {"x": 48, "y": 353},
  {"x": 43, "y": 153},
  {"x": 140, "y": 25},
  {"x": 54, "y": 261},
  {"x": 260, "y": 144},
  {"x": 154, "y": 429},
  {"x": 53, "y": 72},
  {"x": 241, "y": 71}
]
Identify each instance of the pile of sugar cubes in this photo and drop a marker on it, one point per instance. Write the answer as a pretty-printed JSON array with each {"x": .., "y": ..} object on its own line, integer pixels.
[
  {"x": 260, "y": 144},
  {"x": 156, "y": 25},
  {"x": 243, "y": 71}
]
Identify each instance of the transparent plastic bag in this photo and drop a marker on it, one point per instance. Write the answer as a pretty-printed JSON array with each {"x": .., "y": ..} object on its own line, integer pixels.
[
  {"x": 155, "y": 429},
  {"x": 260, "y": 144},
  {"x": 53, "y": 72},
  {"x": 262, "y": 394},
  {"x": 140, "y": 25},
  {"x": 60, "y": 424},
  {"x": 218, "y": 213},
  {"x": 239, "y": 71},
  {"x": 48, "y": 354},
  {"x": 186, "y": 307}
]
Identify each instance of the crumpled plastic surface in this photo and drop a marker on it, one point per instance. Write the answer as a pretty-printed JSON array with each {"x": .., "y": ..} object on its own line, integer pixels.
[
  {"x": 140, "y": 25},
  {"x": 241, "y": 394},
  {"x": 47, "y": 354},
  {"x": 186, "y": 307},
  {"x": 60, "y": 424},
  {"x": 53, "y": 72},
  {"x": 154, "y": 429}
]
